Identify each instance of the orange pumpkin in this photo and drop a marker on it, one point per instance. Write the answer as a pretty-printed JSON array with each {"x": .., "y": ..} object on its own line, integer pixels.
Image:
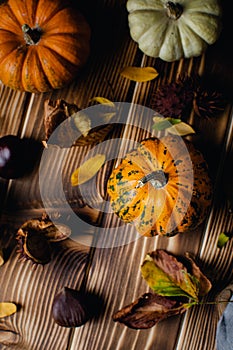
[
  {"x": 162, "y": 187},
  {"x": 43, "y": 44}
]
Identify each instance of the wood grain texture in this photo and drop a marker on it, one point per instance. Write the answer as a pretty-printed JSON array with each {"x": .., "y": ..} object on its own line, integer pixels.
[{"x": 106, "y": 264}]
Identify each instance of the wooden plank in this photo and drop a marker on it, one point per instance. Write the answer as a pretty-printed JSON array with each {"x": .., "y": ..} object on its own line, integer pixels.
[
  {"x": 33, "y": 291},
  {"x": 24, "y": 201},
  {"x": 111, "y": 273},
  {"x": 122, "y": 285}
]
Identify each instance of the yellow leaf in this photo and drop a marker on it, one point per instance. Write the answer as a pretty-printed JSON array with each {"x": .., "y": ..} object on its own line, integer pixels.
[
  {"x": 139, "y": 74},
  {"x": 87, "y": 170},
  {"x": 7, "y": 309},
  {"x": 181, "y": 129},
  {"x": 107, "y": 117},
  {"x": 102, "y": 100},
  {"x": 82, "y": 122},
  {"x": 1, "y": 257}
]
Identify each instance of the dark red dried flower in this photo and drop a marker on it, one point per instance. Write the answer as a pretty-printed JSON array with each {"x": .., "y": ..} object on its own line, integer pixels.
[
  {"x": 208, "y": 104},
  {"x": 175, "y": 99}
]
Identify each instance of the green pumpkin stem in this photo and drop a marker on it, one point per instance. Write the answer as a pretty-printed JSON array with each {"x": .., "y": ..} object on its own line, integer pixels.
[
  {"x": 174, "y": 10},
  {"x": 157, "y": 178},
  {"x": 31, "y": 36}
]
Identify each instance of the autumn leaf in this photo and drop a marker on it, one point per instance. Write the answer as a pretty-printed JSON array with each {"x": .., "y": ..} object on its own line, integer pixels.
[
  {"x": 7, "y": 309},
  {"x": 161, "y": 123},
  {"x": 82, "y": 122},
  {"x": 172, "y": 125},
  {"x": 139, "y": 74},
  {"x": 181, "y": 129},
  {"x": 176, "y": 284},
  {"x": 1, "y": 257},
  {"x": 172, "y": 281},
  {"x": 148, "y": 310},
  {"x": 102, "y": 100},
  {"x": 87, "y": 170}
]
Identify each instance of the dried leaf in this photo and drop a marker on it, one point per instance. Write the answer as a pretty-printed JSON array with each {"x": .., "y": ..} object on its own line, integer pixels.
[
  {"x": 148, "y": 310},
  {"x": 181, "y": 129},
  {"x": 87, "y": 170},
  {"x": 161, "y": 123},
  {"x": 102, "y": 100},
  {"x": 107, "y": 117},
  {"x": 82, "y": 122},
  {"x": 1, "y": 257},
  {"x": 203, "y": 282},
  {"x": 56, "y": 112},
  {"x": 139, "y": 74},
  {"x": 167, "y": 276},
  {"x": 7, "y": 309},
  {"x": 45, "y": 227}
]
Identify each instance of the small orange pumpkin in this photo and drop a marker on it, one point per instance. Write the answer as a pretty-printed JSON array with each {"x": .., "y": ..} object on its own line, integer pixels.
[
  {"x": 162, "y": 187},
  {"x": 43, "y": 44}
]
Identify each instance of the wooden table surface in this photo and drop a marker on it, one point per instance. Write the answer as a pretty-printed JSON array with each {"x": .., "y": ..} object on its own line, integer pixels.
[{"x": 108, "y": 269}]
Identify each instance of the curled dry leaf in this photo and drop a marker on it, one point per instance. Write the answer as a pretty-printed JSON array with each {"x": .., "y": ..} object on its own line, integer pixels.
[
  {"x": 168, "y": 276},
  {"x": 87, "y": 170},
  {"x": 174, "y": 283},
  {"x": 148, "y": 310},
  {"x": 34, "y": 238},
  {"x": 7, "y": 309},
  {"x": 77, "y": 121},
  {"x": 139, "y": 74}
]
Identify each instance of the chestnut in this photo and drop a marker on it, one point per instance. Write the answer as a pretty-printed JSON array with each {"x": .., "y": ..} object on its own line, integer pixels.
[
  {"x": 70, "y": 308},
  {"x": 18, "y": 156}
]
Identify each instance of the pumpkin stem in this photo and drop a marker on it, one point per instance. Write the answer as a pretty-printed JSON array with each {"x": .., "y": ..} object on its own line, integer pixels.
[
  {"x": 174, "y": 10},
  {"x": 157, "y": 178},
  {"x": 31, "y": 36}
]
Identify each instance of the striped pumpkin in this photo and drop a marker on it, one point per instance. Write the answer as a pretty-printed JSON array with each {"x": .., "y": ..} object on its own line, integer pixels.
[
  {"x": 43, "y": 44},
  {"x": 162, "y": 187}
]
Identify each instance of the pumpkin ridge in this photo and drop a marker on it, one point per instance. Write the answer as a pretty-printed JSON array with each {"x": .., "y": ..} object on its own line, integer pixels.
[
  {"x": 61, "y": 5},
  {"x": 212, "y": 25},
  {"x": 33, "y": 80},
  {"x": 10, "y": 16},
  {"x": 160, "y": 37},
  {"x": 50, "y": 72},
  {"x": 45, "y": 44},
  {"x": 9, "y": 42},
  {"x": 58, "y": 13}
]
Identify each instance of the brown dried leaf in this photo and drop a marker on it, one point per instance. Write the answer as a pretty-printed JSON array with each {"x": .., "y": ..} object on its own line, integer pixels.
[
  {"x": 204, "y": 283},
  {"x": 7, "y": 309},
  {"x": 56, "y": 112},
  {"x": 148, "y": 310},
  {"x": 139, "y": 74},
  {"x": 45, "y": 227}
]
